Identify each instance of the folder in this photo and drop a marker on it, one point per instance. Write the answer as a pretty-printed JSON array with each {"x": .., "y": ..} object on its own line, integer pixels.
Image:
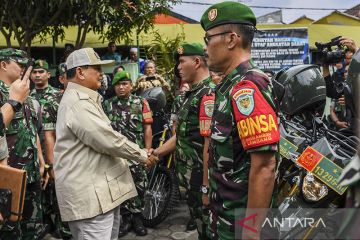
[{"x": 15, "y": 180}]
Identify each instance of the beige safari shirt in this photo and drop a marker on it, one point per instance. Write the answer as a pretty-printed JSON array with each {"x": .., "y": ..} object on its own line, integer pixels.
[{"x": 91, "y": 174}]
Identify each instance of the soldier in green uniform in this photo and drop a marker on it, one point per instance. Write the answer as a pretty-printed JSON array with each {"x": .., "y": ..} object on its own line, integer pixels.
[
  {"x": 48, "y": 98},
  {"x": 23, "y": 143},
  {"x": 193, "y": 128},
  {"x": 130, "y": 115},
  {"x": 244, "y": 129}
]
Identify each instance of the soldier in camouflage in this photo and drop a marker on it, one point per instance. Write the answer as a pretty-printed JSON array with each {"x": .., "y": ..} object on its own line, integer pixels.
[
  {"x": 244, "y": 133},
  {"x": 19, "y": 90},
  {"x": 23, "y": 143},
  {"x": 130, "y": 115},
  {"x": 193, "y": 129}
]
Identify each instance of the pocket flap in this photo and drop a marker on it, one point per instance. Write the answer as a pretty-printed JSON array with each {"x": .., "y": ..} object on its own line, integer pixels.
[{"x": 115, "y": 172}]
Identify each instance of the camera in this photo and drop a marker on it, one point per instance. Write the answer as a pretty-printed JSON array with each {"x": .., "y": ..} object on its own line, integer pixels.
[{"x": 324, "y": 52}]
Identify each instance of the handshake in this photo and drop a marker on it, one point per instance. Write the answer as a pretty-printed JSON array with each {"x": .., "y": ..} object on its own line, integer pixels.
[{"x": 152, "y": 159}]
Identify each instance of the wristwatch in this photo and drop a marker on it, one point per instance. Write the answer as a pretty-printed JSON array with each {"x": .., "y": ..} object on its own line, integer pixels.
[
  {"x": 15, "y": 105},
  {"x": 204, "y": 189}
]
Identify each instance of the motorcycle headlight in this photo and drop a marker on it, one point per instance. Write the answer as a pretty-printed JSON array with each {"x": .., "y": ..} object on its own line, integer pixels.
[{"x": 313, "y": 189}]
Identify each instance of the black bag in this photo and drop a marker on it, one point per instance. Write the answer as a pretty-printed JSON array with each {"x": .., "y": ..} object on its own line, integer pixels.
[{"x": 5, "y": 203}]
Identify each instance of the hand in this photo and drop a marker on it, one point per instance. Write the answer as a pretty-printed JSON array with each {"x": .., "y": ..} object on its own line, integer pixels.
[
  {"x": 149, "y": 151},
  {"x": 349, "y": 43},
  {"x": 52, "y": 174},
  {"x": 205, "y": 199},
  {"x": 44, "y": 177},
  {"x": 1, "y": 218},
  {"x": 341, "y": 100},
  {"x": 340, "y": 124},
  {"x": 19, "y": 90},
  {"x": 151, "y": 161}
]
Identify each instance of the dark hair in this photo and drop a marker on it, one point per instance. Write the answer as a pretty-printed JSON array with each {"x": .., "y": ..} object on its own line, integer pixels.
[
  {"x": 111, "y": 43},
  {"x": 116, "y": 69},
  {"x": 70, "y": 73},
  {"x": 246, "y": 32}
]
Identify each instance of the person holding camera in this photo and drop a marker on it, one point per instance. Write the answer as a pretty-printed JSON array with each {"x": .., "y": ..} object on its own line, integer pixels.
[
  {"x": 340, "y": 114},
  {"x": 151, "y": 79}
]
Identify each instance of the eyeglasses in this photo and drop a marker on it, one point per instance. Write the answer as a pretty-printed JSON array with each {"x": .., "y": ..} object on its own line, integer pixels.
[
  {"x": 41, "y": 71},
  {"x": 208, "y": 37}
]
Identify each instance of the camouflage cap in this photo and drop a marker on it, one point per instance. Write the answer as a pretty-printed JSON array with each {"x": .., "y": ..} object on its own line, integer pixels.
[
  {"x": 189, "y": 49},
  {"x": 41, "y": 64},
  {"x": 62, "y": 69},
  {"x": 15, "y": 55},
  {"x": 227, "y": 13},
  {"x": 121, "y": 76}
]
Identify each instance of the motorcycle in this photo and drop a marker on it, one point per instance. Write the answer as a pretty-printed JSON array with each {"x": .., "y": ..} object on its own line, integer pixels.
[
  {"x": 162, "y": 191},
  {"x": 312, "y": 160}
]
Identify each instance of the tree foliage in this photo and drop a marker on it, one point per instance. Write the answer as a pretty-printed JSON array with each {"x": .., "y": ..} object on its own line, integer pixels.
[
  {"x": 113, "y": 20},
  {"x": 161, "y": 51}
]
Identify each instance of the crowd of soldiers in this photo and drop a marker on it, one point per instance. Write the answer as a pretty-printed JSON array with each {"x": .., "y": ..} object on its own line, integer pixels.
[{"x": 220, "y": 161}]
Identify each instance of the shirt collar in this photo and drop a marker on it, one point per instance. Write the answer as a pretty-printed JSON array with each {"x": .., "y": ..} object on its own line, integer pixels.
[{"x": 92, "y": 94}]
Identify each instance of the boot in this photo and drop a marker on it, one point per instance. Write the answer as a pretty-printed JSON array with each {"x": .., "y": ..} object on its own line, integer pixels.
[
  {"x": 125, "y": 225},
  {"x": 138, "y": 225}
]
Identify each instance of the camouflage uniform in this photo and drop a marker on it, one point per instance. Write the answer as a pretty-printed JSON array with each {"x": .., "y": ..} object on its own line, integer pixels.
[
  {"x": 49, "y": 99},
  {"x": 21, "y": 137},
  {"x": 244, "y": 121},
  {"x": 189, "y": 148},
  {"x": 127, "y": 116},
  {"x": 176, "y": 107}
]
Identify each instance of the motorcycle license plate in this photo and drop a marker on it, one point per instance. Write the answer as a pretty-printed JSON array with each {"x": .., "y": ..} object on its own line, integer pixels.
[
  {"x": 287, "y": 147},
  {"x": 324, "y": 169}
]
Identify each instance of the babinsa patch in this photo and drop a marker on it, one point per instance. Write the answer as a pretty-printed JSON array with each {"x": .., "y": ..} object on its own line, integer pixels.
[
  {"x": 209, "y": 107},
  {"x": 244, "y": 99}
]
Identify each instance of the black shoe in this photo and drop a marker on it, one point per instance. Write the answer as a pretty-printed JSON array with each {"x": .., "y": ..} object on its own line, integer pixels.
[
  {"x": 138, "y": 225},
  {"x": 125, "y": 226},
  {"x": 191, "y": 225}
]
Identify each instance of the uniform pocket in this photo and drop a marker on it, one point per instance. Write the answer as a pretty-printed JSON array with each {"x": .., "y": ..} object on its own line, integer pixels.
[{"x": 119, "y": 181}]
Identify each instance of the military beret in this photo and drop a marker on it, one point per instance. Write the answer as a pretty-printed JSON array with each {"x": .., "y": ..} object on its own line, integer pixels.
[
  {"x": 189, "y": 49},
  {"x": 227, "y": 13},
  {"x": 121, "y": 76},
  {"x": 16, "y": 55},
  {"x": 41, "y": 64}
]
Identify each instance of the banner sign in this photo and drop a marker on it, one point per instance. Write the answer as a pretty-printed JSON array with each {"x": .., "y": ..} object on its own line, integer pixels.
[{"x": 274, "y": 49}]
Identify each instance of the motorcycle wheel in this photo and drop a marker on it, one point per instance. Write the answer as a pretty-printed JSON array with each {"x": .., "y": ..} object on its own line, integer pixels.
[{"x": 160, "y": 197}]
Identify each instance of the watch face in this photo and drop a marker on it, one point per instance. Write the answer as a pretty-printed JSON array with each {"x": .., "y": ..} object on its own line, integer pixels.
[{"x": 204, "y": 189}]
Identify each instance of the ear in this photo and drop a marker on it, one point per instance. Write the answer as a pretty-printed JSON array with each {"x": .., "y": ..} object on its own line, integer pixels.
[
  {"x": 3, "y": 65},
  {"x": 80, "y": 73},
  {"x": 197, "y": 62},
  {"x": 233, "y": 40}
]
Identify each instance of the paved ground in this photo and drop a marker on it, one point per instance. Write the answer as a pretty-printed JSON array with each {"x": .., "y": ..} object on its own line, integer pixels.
[{"x": 172, "y": 228}]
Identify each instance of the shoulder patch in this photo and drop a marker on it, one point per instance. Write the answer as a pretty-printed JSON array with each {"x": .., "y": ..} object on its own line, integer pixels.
[{"x": 244, "y": 99}]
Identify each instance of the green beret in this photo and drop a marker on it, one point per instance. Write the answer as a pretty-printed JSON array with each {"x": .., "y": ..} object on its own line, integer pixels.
[
  {"x": 121, "y": 76},
  {"x": 41, "y": 64},
  {"x": 15, "y": 55},
  {"x": 189, "y": 49},
  {"x": 227, "y": 13}
]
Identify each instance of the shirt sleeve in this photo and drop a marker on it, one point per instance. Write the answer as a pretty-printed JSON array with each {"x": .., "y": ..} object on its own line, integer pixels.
[
  {"x": 93, "y": 128},
  {"x": 205, "y": 114},
  {"x": 146, "y": 112},
  {"x": 256, "y": 120}
]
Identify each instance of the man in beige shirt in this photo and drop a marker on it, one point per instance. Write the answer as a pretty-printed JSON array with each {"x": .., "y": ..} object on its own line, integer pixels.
[{"x": 92, "y": 177}]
